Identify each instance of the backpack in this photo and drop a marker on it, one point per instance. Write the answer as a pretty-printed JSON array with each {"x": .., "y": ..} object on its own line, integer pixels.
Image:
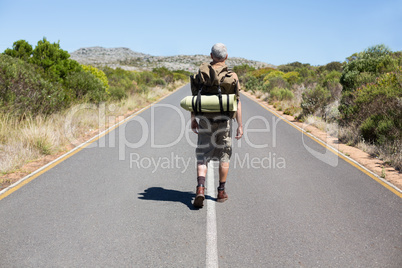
[{"x": 210, "y": 81}]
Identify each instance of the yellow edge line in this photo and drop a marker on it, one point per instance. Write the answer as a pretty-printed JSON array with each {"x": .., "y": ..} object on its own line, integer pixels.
[
  {"x": 332, "y": 150},
  {"x": 72, "y": 152}
]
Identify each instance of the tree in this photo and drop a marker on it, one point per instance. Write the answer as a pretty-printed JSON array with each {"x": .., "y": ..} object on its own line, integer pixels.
[
  {"x": 362, "y": 68},
  {"x": 54, "y": 60},
  {"x": 334, "y": 66},
  {"x": 21, "y": 49}
]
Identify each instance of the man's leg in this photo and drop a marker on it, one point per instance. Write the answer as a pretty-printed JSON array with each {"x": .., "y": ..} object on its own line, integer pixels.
[
  {"x": 200, "y": 195},
  {"x": 201, "y": 174},
  {"x": 223, "y": 173},
  {"x": 202, "y": 170}
]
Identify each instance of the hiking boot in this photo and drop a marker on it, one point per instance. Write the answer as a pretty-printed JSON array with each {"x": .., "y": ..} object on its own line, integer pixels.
[
  {"x": 199, "y": 197},
  {"x": 222, "y": 195}
]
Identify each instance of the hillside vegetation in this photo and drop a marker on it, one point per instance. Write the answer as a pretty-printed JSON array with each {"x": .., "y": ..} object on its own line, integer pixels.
[
  {"x": 39, "y": 86},
  {"x": 359, "y": 100}
]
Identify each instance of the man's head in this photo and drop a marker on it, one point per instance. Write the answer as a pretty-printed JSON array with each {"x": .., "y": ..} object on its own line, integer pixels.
[{"x": 219, "y": 52}]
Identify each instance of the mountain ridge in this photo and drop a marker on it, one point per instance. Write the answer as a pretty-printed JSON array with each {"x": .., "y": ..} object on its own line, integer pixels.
[{"x": 125, "y": 58}]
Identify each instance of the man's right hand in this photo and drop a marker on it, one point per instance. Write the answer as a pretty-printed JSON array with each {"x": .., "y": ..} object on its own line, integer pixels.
[{"x": 194, "y": 126}]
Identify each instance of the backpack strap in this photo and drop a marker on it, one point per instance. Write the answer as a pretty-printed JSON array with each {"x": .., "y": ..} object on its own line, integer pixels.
[
  {"x": 193, "y": 104},
  {"x": 227, "y": 104},
  {"x": 196, "y": 102},
  {"x": 227, "y": 113},
  {"x": 220, "y": 98}
]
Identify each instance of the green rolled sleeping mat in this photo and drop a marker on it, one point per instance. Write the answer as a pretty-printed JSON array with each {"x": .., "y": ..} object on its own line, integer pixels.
[{"x": 210, "y": 103}]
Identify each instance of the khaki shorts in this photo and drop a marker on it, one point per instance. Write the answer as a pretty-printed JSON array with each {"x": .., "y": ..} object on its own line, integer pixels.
[{"x": 214, "y": 141}]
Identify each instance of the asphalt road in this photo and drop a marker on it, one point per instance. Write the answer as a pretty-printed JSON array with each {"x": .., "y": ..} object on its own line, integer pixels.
[{"x": 125, "y": 201}]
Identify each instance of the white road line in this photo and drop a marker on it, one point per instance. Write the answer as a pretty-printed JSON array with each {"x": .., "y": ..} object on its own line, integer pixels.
[{"x": 212, "y": 239}]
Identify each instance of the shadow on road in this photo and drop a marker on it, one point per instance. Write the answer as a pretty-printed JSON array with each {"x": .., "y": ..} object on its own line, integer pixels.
[{"x": 161, "y": 194}]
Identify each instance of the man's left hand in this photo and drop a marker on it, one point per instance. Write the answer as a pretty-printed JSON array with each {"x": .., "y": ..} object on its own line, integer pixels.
[{"x": 239, "y": 132}]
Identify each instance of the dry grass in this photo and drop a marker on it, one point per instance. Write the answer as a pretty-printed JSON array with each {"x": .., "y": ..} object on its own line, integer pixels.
[
  {"x": 258, "y": 93},
  {"x": 390, "y": 153},
  {"x": 28, "y": 139}
]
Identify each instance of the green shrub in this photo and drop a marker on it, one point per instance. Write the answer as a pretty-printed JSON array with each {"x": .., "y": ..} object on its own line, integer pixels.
[
  {"x": 21, "y": 49},
  {"x": 291, "y": 77},
  {"x": 274, "y": 82},
  {"x": 164, "y": 74},
  {"x": 145, "y": 78},
  {"x": 261, "y": 73},
  {"x": 127, "y": 81},
  {"x": 314, "y": 101},
  {"x": 158, "y": 82},
  {"x": 24, "y": 91},
  {"x": 331, "y": 83},
  {"x": 273, "y": 74},
  {"x": 377, "y": 128},
  {"x": 281, "y": 94},
  {"x": 307, "y": 72},
  {"x": 86, "y": 86},
  {"x": 53, "y": 60},
  {"x": 365, "y": 66},
  {"x": 376, "y": 109},
  {"x": 98, "y": 74},
  {"x": 242, "y": 70},
  {"x": 253, "y": 83},
  {"x": 292, "y": 66},
  {"x": 117, "y": 93},
  {"x": 330, "y": 77},
  {"x": 180, "y": 77},
  {"x": 332, "y": 66}
]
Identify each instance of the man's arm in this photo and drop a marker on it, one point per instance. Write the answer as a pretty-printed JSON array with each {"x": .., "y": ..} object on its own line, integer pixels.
[
  {"x": 194, "y": 123},
  {"x": 239, "y": 132}
]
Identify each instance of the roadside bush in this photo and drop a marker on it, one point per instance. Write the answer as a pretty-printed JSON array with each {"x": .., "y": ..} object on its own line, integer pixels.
[
  {"x": 98, "y": 74},
  {"x": 180, "y": 77},
  {"x": 164, "y": 74},
  {"x": 307, "y": 73},
  {"x": 378, "y": 128},
  {"x": 291, "y": 77},
  {"x": 273, "y": 74},
  {"x": 253, "y": 83},
  {"x": 292, "y": 66},
  {"x": 261, "y": 73},
  {"x": 122, "y": 81},
  {"x": 24, "y": 91},
  {"x": 315, "y": 100},
  {"x": 331, "y": 82},
  {"x": 242, "y": 70},
  {"x": 330, "y": 77},
  {"x": 281, "y": 94},
  {"x": 85, "y": 86},
  {"x": 117, "y": 93},
  {"x": 159, "y": 82},
  {"x": 144, "y": 78},
  {"x": 274, "y": 82},
  {"x": 377, "y": 109},
  {"x": 364, "y": 67}
]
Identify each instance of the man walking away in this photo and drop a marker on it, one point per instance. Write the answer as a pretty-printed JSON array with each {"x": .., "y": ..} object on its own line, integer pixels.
[{"x": 214, "y": 129}]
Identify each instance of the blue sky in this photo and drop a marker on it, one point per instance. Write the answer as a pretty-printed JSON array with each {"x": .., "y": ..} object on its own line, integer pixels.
[{"x": 277, "y": 32}]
